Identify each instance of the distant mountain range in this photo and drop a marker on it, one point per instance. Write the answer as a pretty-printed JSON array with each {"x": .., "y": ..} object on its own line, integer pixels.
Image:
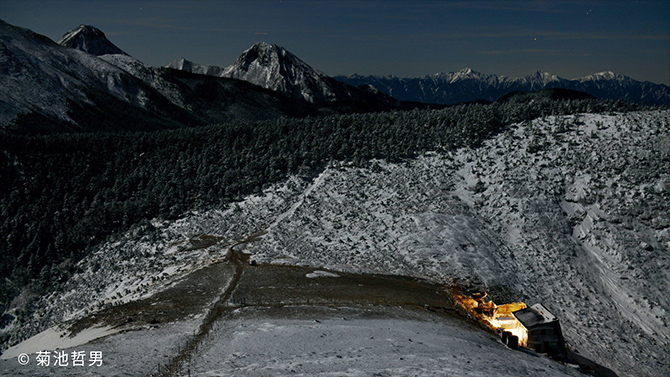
[
  {"x": 467, "y": 85},
  {"x": 275, "y": 68},
  {"x": 86, "y": 83}
]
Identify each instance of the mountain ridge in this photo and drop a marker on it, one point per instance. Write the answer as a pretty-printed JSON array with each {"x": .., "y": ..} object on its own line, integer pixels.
[
  {"x": 469, "y": 85},
  {"x": 49, "y": 87},
  {"x": 273, "y": 67},
  {"x": 86, "y": 83}
]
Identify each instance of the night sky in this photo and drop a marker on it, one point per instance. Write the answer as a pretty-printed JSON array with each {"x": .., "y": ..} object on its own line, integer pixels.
[{"x": 403, "y": 38}]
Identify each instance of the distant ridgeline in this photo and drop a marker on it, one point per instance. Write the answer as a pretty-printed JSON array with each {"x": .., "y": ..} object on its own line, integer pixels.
[
  {"x": 468, "y": 85},
  {"x": 85, "y": 83}
]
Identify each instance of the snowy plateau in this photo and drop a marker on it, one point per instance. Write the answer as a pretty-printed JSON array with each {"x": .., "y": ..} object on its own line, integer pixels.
[{"x": 570, "y": 211}]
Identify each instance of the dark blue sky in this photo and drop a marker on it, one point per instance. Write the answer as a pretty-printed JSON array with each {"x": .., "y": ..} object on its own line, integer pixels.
[{"x": 404, "y": 38}]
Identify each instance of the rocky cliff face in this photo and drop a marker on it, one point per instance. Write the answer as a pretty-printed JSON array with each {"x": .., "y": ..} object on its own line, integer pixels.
[{"x": 200, "y": 69}]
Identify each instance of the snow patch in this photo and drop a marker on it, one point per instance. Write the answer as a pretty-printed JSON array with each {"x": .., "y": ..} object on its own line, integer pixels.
[
  {"x": 322, "y": 274},
  {"x": 55, "y": 339}
]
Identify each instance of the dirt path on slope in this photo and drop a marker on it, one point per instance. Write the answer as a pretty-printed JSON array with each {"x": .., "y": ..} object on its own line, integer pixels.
[
  {"x": 220, "y": 288},
  {"x": 237, "y": 260},
  {"x": 271, "y": 286},
  {"x": 187, "y": 298}
]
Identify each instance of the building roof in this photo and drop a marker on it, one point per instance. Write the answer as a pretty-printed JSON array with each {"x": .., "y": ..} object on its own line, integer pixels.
[{"x": 534, "y": 315}]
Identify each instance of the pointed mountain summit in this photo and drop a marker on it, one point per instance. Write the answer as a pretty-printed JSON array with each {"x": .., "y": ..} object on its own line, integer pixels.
[
  {"x": 46, "y": 87},
  {"x": 89, "y": 39},
  {"x": 464, "y": 74},
  {"x": 539, "y": 80},
  {"x": 273, "y": 67}
]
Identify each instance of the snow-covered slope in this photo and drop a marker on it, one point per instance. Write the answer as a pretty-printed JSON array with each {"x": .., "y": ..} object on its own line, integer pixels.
[
  {"x": 46, "y": 87},
  {"x": 275, "y": 68},
  {"x": 467, "y": 85},
  {"x": 572, "y": 212},
  {"x": 147, "y": 74},
  {"x": 44, "y": 83}
]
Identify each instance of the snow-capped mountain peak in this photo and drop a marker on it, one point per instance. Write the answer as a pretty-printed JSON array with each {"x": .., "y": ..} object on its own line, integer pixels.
[
  {"x": 181, "y": 64},
  {"x": 273, "y": 67},
  {"x": 605, "y": 76},
  {"x": 465, "y": 73},
  {"x": 89, "y": 39},
  {"x": 189, "y": 66},
  {"x": 541, "y": 77},
  {"x": 268, "y": 58}
]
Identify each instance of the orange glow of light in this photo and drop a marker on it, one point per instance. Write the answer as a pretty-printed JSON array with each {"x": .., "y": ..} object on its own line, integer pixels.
[{"x": 500, "y": 316}]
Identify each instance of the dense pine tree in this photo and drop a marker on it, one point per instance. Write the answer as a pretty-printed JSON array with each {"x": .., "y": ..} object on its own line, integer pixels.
[{"x": 62, "y": 194}]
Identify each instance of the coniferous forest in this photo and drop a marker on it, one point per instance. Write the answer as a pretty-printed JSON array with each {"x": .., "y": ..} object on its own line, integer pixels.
[{"x": 62, "y": 194}]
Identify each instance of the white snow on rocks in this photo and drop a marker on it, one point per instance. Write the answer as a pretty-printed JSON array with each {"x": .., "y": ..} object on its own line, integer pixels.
[
  {"x": 52, "y": 339},
  {"x": 322, "y": 274}
]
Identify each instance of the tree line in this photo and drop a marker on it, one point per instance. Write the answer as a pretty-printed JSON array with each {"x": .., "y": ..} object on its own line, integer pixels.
[{"x": 63, "y": 194}]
